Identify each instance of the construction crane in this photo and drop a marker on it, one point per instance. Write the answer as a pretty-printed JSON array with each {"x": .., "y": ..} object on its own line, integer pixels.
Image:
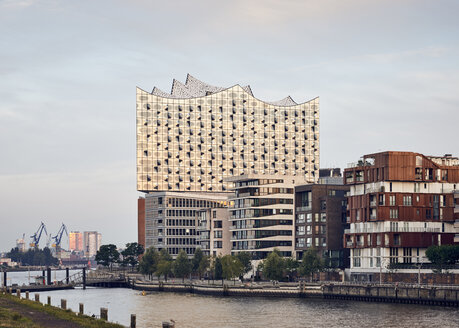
[
  {"x": 58, "y": 237},
  {"x": 37, "y": 235}
]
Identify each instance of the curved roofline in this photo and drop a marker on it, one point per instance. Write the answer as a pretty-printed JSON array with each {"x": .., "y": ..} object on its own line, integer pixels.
[{"x": 226, "y": 89}]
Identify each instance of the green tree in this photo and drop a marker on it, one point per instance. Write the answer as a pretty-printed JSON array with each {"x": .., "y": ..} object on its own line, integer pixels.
[
  {"x": 231, "y": 267},
  {"x": 164, "y": 267},
  {"x": 246, "y": 260},
  {"x": 203, "y": 266},
  {"x": 443, "y": 256},
  {"x": 218, "y": 270},
  {"x": 273, "y": 266},
  {"x": 291, "y": 267},
  {"x": 182, "y": 265},
  {"x": 107, "y": 255},
  {"x": 131, "y": 254},
  {"x": 196, "y": 261},
  {"x": 311, "y": 263},
  {"x": 149, "y": 262}
]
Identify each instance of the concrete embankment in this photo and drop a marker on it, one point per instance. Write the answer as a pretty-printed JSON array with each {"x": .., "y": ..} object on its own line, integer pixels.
[{"x": 429, "y": 295}]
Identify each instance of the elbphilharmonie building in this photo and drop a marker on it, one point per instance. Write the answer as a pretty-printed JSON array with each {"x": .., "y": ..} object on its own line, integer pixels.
[{"x": 195, "y": 136}]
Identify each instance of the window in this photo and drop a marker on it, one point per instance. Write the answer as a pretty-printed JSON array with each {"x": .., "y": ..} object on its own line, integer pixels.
[
  {"x": 308, "y": 229},
  {"x": 218, "y": 224},
  {"x": 392, "y": 200},
  {"x": 218, "y": 234},
  {"x": 393, "y": 213},
  {"x": 407, "y": 201},
  {"x": 309, "y": 217}
]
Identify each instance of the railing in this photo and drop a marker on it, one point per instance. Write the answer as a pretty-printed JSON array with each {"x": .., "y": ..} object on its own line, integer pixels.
[
  {"x": 391, "y": 229},
  {"x": 373, "y": 203},
  {"x": 303, "y": 208}
]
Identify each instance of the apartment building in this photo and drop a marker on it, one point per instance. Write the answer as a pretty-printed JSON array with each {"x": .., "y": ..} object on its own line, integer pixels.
[
  {"x": 171, "y": 220},
  {"x": 213, "y": 231},
  {"x": 262, "y": 214},
  {"x": 320, "y": 221},
  {"x": 399, "y": 204}
]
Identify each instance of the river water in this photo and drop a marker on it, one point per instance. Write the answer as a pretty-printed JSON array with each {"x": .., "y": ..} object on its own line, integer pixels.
[{"x": 189, "y": 310}]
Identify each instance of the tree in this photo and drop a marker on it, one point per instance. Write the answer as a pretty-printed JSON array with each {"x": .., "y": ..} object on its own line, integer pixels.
[
  {"x": 149, "y": 262},
  {"x": 164, "y": 267},
  {"x": 107, "y": 255},
  {"x": 231, "y": 267},
  {"x": 291, "y": 267},
  {"x": 196, "y": 261},
  {"x": 246, "y": 260},
  {"x": 443, "y": 256},
  {"x": 311, "y": 263},
  {"x": 182, "y": 266},
  {"x": 203, "y": 266},
  {"x": 218, "y": 270},
  {"x": 131, "y": 254},
  {"x": 273, "y": 266}
]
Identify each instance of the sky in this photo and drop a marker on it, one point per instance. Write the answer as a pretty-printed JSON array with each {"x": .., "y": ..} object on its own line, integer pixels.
[{"x": 386, "y": 72}]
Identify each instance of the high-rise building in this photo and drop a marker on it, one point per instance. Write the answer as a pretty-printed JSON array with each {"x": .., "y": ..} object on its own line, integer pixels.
[
  {"x": 92, "y": 241},
  {"x": 76, "y": 241},
  {"x": 400, "y": 203},
  {"x": 262, "y": 214},
  {"x": 194, "y": 137}
]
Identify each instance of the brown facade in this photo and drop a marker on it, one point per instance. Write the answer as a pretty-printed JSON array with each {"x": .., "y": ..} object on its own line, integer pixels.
[
  {"x": 320, "y": 220},
  {"x": 141, "y": 221},
  {"x": 400, "y": 204}
]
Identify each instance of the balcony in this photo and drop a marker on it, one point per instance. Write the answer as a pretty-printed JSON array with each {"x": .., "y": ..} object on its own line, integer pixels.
[
  {"x": 303, "y": 208},
  {"x": 373, "y": 203}
]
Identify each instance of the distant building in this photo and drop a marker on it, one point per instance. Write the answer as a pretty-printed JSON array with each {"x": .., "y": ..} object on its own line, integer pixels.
[
  {"x": 262, "y": 214},
  {"x": 213, "y": 229},
  {"x": 400, "y": 203},
  {"x": 21, "y": 245},
  {"x": 92, "y": 241},
  {"x": 320, "y": 220},
  {"x": 75, "y": 241}
]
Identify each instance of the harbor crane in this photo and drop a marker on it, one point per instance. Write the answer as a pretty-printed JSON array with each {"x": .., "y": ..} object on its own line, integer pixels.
[
  {"x": 58, "y": 237},
  {"x": 37, "y": 235}
]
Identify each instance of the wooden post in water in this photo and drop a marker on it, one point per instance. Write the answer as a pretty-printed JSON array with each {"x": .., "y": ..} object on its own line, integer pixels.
[
  {"x": 81, "y": 312},
  {"x": 49, "y": 300},
  {"x": 63, "y": 304},
  {"x": 27, "y": 295},
  {"x": 10, "y": 290},
  {"x": 67, "y": 276},
  {"x": 4, "y": 279},
  {"x": 37, "y": 297},
  {"x": 49, "y": 276},
  {"x": 84, "y": 278},
  {"x": 167, "y": 324},
  {"x": 104, "y": 314},
  {"x": 133, "y": 320},
  {"x": 18, "y": 293}
]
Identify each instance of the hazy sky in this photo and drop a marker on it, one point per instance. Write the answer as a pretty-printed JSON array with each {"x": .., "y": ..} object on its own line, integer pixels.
[{"x": 387, "y": 73}]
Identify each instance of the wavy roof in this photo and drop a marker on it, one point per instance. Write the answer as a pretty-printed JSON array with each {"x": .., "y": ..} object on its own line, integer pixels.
[{"x": 196, "y": 88}]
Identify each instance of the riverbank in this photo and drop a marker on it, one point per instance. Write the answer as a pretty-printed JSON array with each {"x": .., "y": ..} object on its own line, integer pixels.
[
  {"x": 425, "y": 295},
  {"x": 16, "y": 312}
]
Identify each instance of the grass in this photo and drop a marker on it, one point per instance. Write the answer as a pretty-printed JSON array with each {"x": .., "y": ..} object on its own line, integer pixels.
[
  {"x": 10, "y": 318},
  {"x": 13, "y": 319}
]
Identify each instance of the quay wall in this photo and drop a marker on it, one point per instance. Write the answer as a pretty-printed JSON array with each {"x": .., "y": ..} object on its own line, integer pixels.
[{"x": 428, "y": 295}]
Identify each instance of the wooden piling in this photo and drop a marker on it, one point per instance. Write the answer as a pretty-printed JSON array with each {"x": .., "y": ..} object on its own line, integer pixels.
[
  {"x": 63, "y": 304},
  {"x": 27, "y": 295},
  {"x": 49, "y": 300},
  {"x": 18, "y": 293},
  {"x": 81, "y": 312},
  {"x": 133, "y": 320},
  {"x": 104, "y": 314},
  {"x": 37, "y": 297}
]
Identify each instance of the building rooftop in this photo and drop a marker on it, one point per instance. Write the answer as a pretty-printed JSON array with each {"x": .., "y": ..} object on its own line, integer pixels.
[{"x": 193, "y": 88}]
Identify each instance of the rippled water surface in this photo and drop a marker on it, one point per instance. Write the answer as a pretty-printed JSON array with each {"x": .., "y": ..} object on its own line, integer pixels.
[{"x": 190, "y": 310}]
